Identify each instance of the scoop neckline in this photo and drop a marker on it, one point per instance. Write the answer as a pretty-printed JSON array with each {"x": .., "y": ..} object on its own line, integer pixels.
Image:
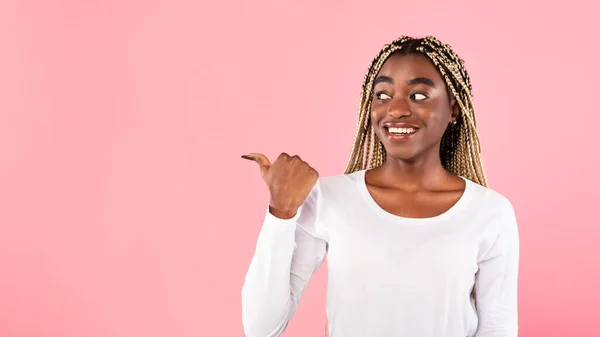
[{"x": 459, "y": 205}]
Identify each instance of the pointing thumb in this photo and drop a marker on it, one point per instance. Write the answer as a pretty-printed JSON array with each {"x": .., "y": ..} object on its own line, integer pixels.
[{"x": 262, "y": 161}]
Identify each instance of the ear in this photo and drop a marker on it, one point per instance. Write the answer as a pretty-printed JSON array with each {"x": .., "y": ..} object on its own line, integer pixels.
[{"x": 455, "y": 108}]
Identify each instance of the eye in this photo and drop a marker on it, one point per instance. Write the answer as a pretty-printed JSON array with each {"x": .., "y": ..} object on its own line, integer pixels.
[
  {"x": 418, "y": 97},
  {"x": 382, "y": 96}
]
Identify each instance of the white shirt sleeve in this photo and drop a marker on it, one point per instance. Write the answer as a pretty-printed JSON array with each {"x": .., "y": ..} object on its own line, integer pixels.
[
  {"x": 496, "y": 282},
  {"x": 288, "y": 252}
]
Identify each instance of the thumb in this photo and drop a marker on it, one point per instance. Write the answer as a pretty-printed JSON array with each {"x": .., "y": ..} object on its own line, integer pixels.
[{"x": 262, "y": 161}]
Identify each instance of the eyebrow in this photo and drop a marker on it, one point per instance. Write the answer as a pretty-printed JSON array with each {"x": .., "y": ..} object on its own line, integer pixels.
[
  {"x": 383, "y": 79},
  {"x": 417, "y": 80}
]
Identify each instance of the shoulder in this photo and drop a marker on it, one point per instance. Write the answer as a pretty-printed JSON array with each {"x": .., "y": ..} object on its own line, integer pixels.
[
  {"x": 339, "y": 180},
  {"x": 335, "y": 188},
  {"x": 495, "y": 214},
  {"x": 329, "y": 193},
  {"x": 487, "y": 203},
  {"x": 488, "y": 198}
]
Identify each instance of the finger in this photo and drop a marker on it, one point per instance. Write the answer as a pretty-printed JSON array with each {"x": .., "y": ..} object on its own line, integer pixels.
[
  {"x": 262, "y": 161},
  {"x": 259, "y": 158}
]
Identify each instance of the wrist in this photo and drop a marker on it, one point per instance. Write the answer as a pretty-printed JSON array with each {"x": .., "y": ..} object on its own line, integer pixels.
[{"x": 283, "y": 213}]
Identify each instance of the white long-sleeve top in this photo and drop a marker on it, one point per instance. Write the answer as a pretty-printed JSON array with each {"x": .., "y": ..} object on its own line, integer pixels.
[{"x": 452, "y": 275}]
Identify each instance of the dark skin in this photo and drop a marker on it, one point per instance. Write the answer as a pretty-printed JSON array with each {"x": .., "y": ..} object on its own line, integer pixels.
[{"x": 410, "y": 92}]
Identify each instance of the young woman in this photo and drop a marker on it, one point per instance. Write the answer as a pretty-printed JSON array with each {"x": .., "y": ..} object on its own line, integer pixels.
[{"x": 417, "y": 244}]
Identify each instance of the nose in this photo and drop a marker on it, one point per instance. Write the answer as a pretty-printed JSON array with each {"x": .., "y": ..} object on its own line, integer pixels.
[{"x": 398, "y": 108}]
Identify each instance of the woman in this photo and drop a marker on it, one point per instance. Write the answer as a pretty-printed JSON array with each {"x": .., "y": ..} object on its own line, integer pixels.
[{"x": 417, "y": 244}]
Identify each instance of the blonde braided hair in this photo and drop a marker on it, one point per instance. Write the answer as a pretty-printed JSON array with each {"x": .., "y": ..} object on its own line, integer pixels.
[{"x": 460, "y": 150}]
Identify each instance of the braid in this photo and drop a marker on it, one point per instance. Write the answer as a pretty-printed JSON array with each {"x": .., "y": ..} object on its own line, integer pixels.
[{"x": 460, "y": 149}]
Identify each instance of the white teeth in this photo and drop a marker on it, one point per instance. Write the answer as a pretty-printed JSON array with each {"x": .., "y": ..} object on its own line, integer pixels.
[{"x": 402, "y": 130}]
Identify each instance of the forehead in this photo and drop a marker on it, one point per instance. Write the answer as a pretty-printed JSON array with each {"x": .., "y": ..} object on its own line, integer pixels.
[{"x": 410, "y": 66}]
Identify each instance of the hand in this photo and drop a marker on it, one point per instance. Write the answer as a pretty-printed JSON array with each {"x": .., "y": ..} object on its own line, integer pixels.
[{"x": 290, "y": 180}]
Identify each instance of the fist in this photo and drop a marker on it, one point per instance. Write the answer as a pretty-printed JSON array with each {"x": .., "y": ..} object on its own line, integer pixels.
[{"x": 289, "y": 179}]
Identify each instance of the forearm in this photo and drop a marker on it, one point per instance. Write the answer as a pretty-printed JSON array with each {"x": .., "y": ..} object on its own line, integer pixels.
[{"x": 267, "y": 304}]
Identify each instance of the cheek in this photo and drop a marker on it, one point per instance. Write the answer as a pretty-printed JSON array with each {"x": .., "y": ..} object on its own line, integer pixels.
[
  {"x": 437, "y": 116},
  {"x": 375, "y": 116},
  {"x": 377, "y": 113}
]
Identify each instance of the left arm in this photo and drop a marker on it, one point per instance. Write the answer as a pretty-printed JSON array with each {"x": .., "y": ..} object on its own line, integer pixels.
[{"x": 496, "y": 281}]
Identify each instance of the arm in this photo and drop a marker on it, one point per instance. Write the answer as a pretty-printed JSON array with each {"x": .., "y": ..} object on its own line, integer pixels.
[
  {"x": 496, "y": 282},
  {"x": 287, "y": 254}
]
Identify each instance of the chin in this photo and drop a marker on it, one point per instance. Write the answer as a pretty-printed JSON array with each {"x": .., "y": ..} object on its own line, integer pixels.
[{"x": 403, "y": 154}]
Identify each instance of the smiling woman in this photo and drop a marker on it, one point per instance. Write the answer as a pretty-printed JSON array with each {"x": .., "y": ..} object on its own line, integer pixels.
[
  {"x": 440, "y": 66},
  {"x": 416, "y": 243}
]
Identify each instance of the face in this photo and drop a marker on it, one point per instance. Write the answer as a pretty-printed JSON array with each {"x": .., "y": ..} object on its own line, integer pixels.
[{"x": 411, "y": 108}]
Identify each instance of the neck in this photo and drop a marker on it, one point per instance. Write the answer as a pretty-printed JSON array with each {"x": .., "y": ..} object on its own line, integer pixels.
[{"x": 424, "y": 172}]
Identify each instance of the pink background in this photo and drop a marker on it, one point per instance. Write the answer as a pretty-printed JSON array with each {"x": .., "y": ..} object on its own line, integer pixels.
[{"x": 125, "y": 209}]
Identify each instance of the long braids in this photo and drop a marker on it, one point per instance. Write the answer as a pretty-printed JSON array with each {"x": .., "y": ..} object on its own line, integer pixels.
[{"x": 460, "y": 150}]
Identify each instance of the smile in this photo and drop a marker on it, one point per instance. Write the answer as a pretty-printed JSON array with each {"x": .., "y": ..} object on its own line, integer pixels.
[
  {"x": 402, "y": 131},
  {"x": 395, "y": 133}
]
